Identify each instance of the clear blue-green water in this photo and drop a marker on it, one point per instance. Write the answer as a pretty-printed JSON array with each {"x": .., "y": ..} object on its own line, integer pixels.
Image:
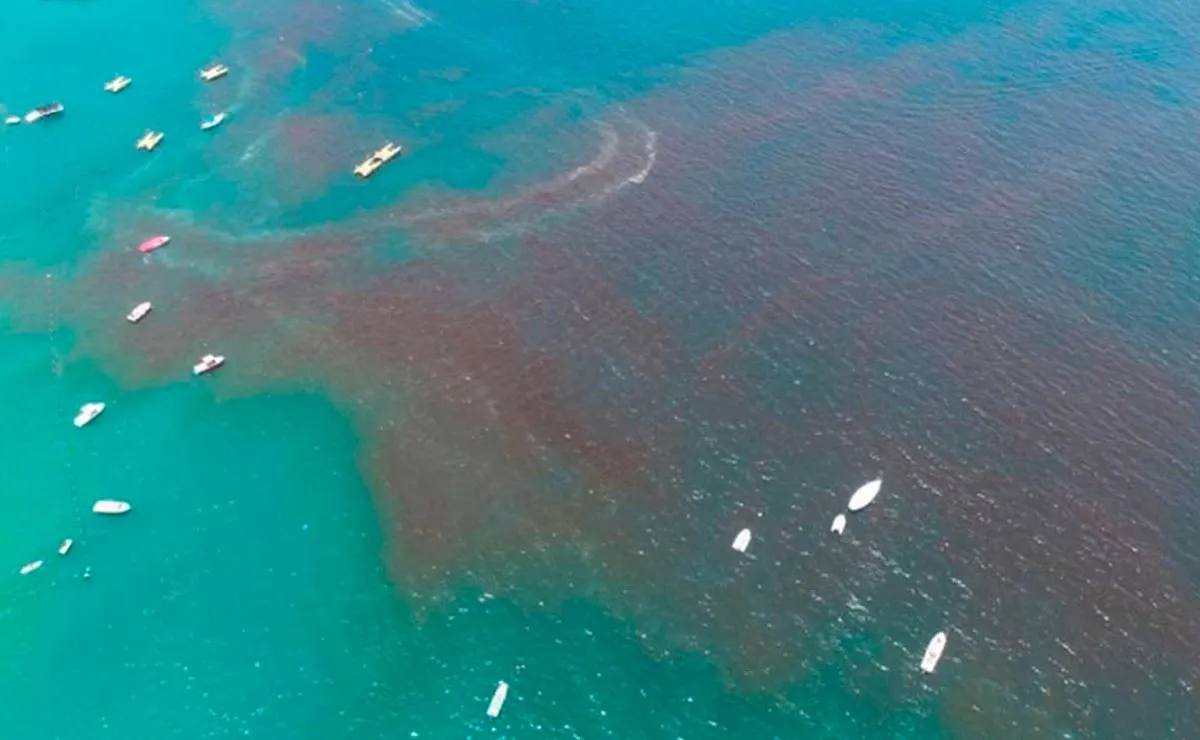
[{"x": 645, "y": 275}]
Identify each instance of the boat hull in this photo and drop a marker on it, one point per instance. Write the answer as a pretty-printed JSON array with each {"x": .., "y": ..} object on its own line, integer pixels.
[{"x": 863, "y": 497}]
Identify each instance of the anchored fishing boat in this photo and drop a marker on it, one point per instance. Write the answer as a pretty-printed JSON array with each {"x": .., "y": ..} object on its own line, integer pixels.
[
  {"x": 382, "y": 156},
  {"x": 149, "y": 140},
  {"x": 117, "y": 84},
  {"x": 139, "y": 312},
  {"x": 87, "y": 412},
  {"x": 43, "y": 111},
  {"x": 213, "y": 121},
  {"x": 933, "y": 652},
  {"x": 153, "y": 243},
  {"x": 109, "y": 506},
  {"x": 207, "y": 364},
  {"x": 213, "y": 72},
  {"x": 863, "y": 497}
]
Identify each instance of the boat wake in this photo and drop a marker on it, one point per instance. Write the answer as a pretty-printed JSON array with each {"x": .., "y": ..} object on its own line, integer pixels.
[{"x": 627, "y": 152}]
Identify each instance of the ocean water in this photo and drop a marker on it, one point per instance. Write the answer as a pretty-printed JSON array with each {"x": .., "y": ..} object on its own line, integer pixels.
[{"x": 646, "y": 275}]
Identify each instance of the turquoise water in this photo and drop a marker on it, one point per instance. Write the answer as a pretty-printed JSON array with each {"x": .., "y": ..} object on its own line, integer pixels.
[{"x": 645, "y": 276}]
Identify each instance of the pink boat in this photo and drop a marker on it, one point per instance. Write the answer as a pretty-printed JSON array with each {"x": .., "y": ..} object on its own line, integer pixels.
[{"x": 153, "y": 243}]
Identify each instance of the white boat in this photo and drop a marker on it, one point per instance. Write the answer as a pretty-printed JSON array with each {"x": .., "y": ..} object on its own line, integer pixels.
[
  {"x": 65, "y": 547},
  {"x": 742, "y": 541},
  {"x": 839, "y": 524},
  {"x": 30, "y": 567},
  {"x": 117, "y": 84},
  {"x": 933, "y": 653},
  {"x": 207, "y": 364},
  {"x": 213, "y": 121},
  {"x": 498, "y": 698},
  {"x": 109, "y": 506},
  {"x": 43, "y": 111},
  {"x": 863, "y": 497},
  {"x": 139, "y": 312},
  {"x": 12, "y": 120},
  {"x": 87, "y": 412},
  {"x": 214, "y": 72}
]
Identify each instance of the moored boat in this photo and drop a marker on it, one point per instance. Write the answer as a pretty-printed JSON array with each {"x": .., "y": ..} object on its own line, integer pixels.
[
  {"x": 153, "y": 243},
  {"x": 382, "y": 156},
  {"x": 214, "y": 72},
  {"x": 139, "y": 312},
  {"x": 109, "y": 506},
  {"x": 12, "y": 120},
  {"x": 213, "y": 121},
  {"x": 497, "y": 702},
  {"x": 65, "y": 547},
  {"x": 149, "y": 140},
  {"x": 866, "y": 493},
  {"x": 43, "y": 111},
  {"x": 207, "y": 364},
  {"x": 742, "y": 541},
  {"x": 933, "y": 652},
  {"x": 87, "y": 412},
  {"x": 30, "y": 567},
  {"x": 839, "y": 524},
  {"x": 117, "y": 84}
]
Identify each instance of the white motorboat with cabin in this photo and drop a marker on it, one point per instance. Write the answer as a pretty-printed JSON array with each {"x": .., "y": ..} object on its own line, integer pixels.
[
  {"x": 139, "y": 312},
  {"x": 65, "y": 547},
  {"x": 213, "y": 72},
  {"x": 88, "y": 412},
  {"x": 742, "y": 541},
  {"x": 110, "y": 506},
  {"x": 866, "y": 493},
  {"x": 28, "y": 568},
  {"x": 498, "y": 698},
  {"x": 933, "y": 652},
  {"x": 207, "y": 364}
]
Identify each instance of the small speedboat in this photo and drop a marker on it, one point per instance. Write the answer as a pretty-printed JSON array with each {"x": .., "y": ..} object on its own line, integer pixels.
[
  {"x": 117, "y": 84},
  {"x": 65, "y": 547},
  {"x": 498, "y": 698},
  {"x": 839, "y": 524},
  {"x": 742, "y": 541},
  {"x": 43, "y": 111},
  {"x": 207, "y": 364},
  {"x": 863, "y": 497},
  {"x": 109, "y": 506},
  {"x": 12, "y": 120},
  {"x": 149, "y": 140},
  {"x": 87, "y": 412},
  {"x": 153, "y": 243},
  {"x": 933, "y": 653},
  {"x": 213, "y": 121},
  {"x": 30, "y": 567},
  {"x": 139, "y": 312},
  {"x": 213, "y": 72}
]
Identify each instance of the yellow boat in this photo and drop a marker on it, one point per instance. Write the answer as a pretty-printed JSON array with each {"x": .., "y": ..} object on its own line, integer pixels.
[
  {"x": 386, "y": 153},
  {"x": 117, "y": 84},
  {"x": 214, "y": 72},
  {"x": 149, "y": 140}
]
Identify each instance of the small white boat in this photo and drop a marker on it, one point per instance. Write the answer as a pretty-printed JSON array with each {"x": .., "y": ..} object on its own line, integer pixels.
[
  {"x": 65, "y": 547},
  {"x": 933, "y": 653},
  {"x": 839, "y": 524},
  {"x": 207, "y": 364},
  {"x": 498, "y": 698},
  {"x": 109, "y": 506},
  {"x": 87, "y": 412},
  {"x": 30, "y": 567},
  {"x": 139, "y": 312},
  {"x": 12, "y": 120},
  {"x": 117, "y": 84},
  {"x": 863, "y": 497},
  {"x": 213, "y": 72},
  {"x": 43, "y": 111},
  {"x": 213, "y": 121},
  {"x": 742, "y": 541}
]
